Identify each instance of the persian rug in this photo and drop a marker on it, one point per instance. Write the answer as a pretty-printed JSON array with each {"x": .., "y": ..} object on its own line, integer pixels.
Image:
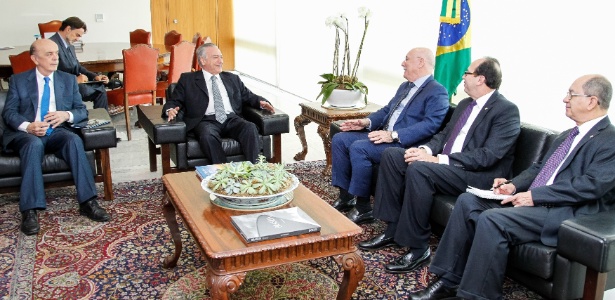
[{"x": 75, "y": 258}]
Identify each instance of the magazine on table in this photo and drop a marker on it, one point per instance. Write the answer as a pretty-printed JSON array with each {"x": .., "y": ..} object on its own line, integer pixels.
[
  {"x": 203, "y": 171},
  {"x": 274, "y": 224}
]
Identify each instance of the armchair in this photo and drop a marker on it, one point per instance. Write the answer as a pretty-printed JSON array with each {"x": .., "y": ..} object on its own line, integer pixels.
[
  {"x": 49, "y": 27},
  {"x": 21, "y": 62},
  {"x": 182, "y": 148},
  {"x": 56, "y": 172},
  {"x": 182, "y": 55},
  {"x": 140, "y": 36}
]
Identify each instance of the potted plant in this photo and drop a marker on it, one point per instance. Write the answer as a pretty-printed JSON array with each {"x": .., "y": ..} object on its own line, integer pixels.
[{"x": 344, "y": 78}]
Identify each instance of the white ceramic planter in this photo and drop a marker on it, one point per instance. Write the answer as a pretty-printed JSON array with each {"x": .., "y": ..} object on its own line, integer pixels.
[{"x": 345, "y": 98}]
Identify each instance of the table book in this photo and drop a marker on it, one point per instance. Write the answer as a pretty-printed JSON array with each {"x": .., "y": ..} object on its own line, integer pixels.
[
  {"x": 274, "y": 224},
  {"x": 204, "y": 171}
]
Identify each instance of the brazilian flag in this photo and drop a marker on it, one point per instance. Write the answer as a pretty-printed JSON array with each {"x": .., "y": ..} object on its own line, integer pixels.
[{"x": 453, "y": 55}]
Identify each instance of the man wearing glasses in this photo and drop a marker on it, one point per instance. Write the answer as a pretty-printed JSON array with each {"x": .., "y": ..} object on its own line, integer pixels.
[
  {"x": 476, "y": 146},
  {"x": 576, "y": 177}
]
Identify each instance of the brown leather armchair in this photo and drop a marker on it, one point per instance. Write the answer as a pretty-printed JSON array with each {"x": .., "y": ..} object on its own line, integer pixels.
[
  {"x": 182, "y": 55},
  {"x": 21, "y": 62},
  {"x": 51, "y": 26},
  {"x": 140, "y": 36}
]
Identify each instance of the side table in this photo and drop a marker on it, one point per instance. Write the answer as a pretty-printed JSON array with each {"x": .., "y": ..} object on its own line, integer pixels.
[{"x": 314, "y": 112}]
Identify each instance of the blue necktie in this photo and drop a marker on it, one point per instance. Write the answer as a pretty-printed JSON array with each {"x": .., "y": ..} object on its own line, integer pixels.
[
  {"x": 457, "y": 129},
  {"x": 45, "y": 103},
  {"x": 554, "y": 160}
]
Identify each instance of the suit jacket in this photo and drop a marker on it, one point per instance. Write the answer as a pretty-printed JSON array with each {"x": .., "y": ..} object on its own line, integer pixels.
[
  {"x": 584, "y": 184},
  {"x": 421, "y": 117},
  {"x": 68, "y": 59},
  {"x": 191, "y": 96},
  {"x": 22, "y": 101},
  {"x": 488, "y": 149}
]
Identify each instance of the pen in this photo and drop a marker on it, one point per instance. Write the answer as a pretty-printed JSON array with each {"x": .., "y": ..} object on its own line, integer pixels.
[{"x": 501, "y": 184}]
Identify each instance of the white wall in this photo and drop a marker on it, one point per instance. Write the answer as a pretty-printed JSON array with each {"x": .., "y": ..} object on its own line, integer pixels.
[
  {"x": 542, "y": 45},
  {"x": 19, "y": 18}
]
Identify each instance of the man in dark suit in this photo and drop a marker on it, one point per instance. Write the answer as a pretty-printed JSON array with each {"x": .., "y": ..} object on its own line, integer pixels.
[
  {"x": 474, "y": 147},
  {"x": 216, "y": 114},
  {"x": 71, "y": 30},
  {"x": 576, "y": 177},
  {"x": 39, "y": 106},
  {"x": 412, "y": 117}
]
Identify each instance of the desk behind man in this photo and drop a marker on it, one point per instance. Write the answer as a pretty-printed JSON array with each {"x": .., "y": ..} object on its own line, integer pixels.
[
  {"x": 40, "y": 103},
  {"x": 72, "y": 30},
  {"x": 576, "y": 177},
  {"x": 216, "y": 114}
]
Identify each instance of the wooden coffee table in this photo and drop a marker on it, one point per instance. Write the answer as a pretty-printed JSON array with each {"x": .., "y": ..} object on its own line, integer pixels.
[{"x": 229, "y": 257}]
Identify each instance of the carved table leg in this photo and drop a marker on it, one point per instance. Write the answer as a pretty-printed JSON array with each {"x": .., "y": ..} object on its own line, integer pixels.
[
  {"x": 324, "y": 132},
  {"x": 300, "y": 122},
  {"x": 354, "y": 268},
  {"x": 168, "y": 210},
  {"x": 220, "y": 285}
]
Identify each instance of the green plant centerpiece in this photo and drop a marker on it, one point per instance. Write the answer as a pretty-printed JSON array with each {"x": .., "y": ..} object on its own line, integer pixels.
[
  {"x": 245, "y": 179},
  {"x": 344, "y": 78}
]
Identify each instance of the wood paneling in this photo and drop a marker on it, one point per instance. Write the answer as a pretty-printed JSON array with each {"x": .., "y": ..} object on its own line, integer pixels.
[{"x": 213, "y": 18}]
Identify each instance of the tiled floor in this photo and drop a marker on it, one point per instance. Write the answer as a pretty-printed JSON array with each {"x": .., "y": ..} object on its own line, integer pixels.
[{"x": 129, "y": 161}]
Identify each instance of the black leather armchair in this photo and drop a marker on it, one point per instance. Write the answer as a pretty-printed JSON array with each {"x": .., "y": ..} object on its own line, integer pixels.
[
  {"x": 56, "y": 172},
  {"x": 584, "y": 243},
  {"x": 182, "y": 148}
]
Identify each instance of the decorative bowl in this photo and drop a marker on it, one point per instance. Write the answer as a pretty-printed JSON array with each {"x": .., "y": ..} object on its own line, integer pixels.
[{"x": 251, "y": 202}]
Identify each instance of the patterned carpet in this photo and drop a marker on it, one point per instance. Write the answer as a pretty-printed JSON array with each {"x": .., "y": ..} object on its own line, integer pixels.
[{"x": 75, "y": 258}]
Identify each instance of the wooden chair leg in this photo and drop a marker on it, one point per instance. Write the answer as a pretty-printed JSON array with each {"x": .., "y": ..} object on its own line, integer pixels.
[
  {"x": 277, "y": 148},
  {"x": 127, "y": 117},
  {"x": 595, "y": 283},
  {"x": 165, "y": 156},
  {"x": 105, "y": 164},
  {"x": 153, "y": 164}
]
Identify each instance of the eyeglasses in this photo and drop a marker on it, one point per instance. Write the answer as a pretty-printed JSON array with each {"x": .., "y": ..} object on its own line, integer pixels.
[
  {"x": 469, "y": 73},
  {"x": 569, "y": 95}
]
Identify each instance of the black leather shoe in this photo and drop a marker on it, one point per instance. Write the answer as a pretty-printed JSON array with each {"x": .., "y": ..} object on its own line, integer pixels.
[
  {"x": 92, "y": 210},
  {"x": 29, "y": 222},
  {"x": 343, "y": 205},
  {"x": 407, "y": 263},
  {"x": 434, "y": 291},
  {"x": 360, "y": 218},
  {"x": 378, "y": 242}
]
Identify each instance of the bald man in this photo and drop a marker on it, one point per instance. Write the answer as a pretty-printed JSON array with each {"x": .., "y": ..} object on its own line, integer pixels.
[{"x": 40, "y": 106}]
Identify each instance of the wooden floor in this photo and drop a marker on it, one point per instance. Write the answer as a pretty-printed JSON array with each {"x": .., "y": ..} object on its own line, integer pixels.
[{"x": 129, "y": 161}]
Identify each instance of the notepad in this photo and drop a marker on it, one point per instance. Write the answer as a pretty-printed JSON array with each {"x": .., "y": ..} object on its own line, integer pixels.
[{"x": 485, "y": 194}]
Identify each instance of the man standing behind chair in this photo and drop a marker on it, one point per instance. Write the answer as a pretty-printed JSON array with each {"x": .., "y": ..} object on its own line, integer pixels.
[
  {"x": 39, "y": 105},
  {"x": 474, "y": 147},
  {"x": 72, "y": 30},
  {"x": 210, "y": 103},
  {"x": 412, "y": 117},
  {"x": 576, "y": 177}
]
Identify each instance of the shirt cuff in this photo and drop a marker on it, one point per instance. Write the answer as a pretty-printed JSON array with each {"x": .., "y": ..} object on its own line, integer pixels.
[
  {"x": 427, "y": 149},
  {"x": 24, "y": 126},
  {"x": 70, "y": 117},
  {"x": 443, "y": 159}
]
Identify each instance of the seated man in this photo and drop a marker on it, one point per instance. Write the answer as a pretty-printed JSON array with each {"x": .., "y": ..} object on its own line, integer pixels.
[
  {"x": 475, "y": 146},
  {"x": 412, "y": 117},
  {"x": 211, "y": 102},
  {"x": 33, "y": 128},
  {"x": 576, "y": 177},
  {"x": 72, "y": 30}
]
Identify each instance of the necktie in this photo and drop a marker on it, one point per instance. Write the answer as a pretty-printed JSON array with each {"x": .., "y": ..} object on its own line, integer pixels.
[
  {"x": 218, "y": 104},
  {"x": 45, "y": 102},
  {"x": 554, "y": 160},
  {"x": 460, "y": 123},
  {"x": 405, "y": 92}
]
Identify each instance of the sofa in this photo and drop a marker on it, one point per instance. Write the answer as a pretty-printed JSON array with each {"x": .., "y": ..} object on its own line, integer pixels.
[
  {"x": 171, "y": 141},
  {"x": 56, "y": 172},
  {"x": 554, "y": 273}
]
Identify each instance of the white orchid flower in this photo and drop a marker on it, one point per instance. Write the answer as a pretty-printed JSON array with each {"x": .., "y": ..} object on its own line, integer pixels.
[
  {"x": 330, "y": 21},
  {"x": 364, "y": 12},
  {"x": 340, "y": 23}
]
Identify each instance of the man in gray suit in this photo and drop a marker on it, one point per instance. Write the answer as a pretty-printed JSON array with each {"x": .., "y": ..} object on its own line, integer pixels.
[
  {"x": 210, "y": 103},
  {"x": 71, "y": 30},
  {"x": 40, "y": 106},
  {"x": 576, "y": 177},
  {"x": 474, "y": 147}
]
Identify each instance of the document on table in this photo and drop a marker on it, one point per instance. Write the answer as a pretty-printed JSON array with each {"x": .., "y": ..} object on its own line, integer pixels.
[{"x": 485, "y": 194}]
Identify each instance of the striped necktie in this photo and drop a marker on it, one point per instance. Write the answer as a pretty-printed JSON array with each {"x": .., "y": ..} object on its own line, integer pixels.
[
  {"x": 218, "y": 104},
  {"x": 548, "y": 169}
]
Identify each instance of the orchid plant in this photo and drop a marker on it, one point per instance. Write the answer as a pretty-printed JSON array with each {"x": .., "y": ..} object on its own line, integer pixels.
[{"x": 344, "y": 77}]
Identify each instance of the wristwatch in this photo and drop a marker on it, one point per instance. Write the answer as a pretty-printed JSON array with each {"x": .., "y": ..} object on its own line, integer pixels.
[{"x": 394, "y": 136}]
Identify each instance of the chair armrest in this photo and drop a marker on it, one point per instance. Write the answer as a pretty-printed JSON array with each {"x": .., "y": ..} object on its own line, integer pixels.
[
  {"x": 158, "y": 129},
  {"x": 589, "y": 240},
  {"x": 267, "y": 123},
  {"x": 99, "y": 137}
]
